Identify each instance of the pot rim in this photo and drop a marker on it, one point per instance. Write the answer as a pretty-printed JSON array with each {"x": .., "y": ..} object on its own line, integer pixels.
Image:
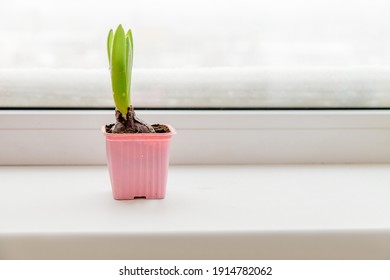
[{"x": 151, "y": 136}]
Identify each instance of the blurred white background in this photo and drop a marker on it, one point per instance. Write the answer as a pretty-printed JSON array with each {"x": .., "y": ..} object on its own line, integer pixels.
[
  {"x": 196, "y": 33},
  {"x": 247, "y": 36}
]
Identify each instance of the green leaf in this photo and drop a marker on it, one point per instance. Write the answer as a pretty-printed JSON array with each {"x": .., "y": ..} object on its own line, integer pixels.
[
  {"x": 130, "y": 35},
  {"x": 129, "y": 61},
  {"x": 128, "y": 69},
  {"x": 119, "y": 78},
  {"x": 109, "y": 45}
]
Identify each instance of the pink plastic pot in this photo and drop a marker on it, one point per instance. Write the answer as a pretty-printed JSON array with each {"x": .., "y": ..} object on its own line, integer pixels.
[{"x": 138, "y": 163}]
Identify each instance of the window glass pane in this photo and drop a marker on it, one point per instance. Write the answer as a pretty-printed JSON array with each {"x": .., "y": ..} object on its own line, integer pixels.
[{"x": 198, "y": 53}]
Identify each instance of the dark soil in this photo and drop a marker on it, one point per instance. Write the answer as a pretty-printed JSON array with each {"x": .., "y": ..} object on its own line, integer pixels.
[
  {"x": 160, "y": 128},
  {"x": 133, "y": 124}
]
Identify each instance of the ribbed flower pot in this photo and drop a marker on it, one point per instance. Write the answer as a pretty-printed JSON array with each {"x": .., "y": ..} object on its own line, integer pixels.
[{"x": 138, "y": 163}]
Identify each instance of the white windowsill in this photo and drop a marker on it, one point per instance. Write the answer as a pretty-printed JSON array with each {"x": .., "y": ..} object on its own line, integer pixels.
[{"x": 222, "y": 212}]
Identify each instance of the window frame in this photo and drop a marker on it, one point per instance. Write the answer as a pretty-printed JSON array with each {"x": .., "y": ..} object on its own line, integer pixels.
[{"x": 73, "y": 137}]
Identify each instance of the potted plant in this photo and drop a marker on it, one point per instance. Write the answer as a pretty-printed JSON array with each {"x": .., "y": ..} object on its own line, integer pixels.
[{"x": 137, "y": 152}]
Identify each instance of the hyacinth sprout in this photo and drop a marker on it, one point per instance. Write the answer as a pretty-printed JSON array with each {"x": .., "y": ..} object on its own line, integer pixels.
[{"x": 120, "y": 57}]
